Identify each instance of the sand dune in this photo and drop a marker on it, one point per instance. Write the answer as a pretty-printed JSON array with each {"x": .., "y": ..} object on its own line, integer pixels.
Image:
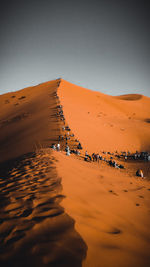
[
  {"x": 103, "y": 122},
  {"x": 27, "y": 121},
  {"x": 62, "y": 211},
  {"x": 34, "y": 228},
  {"x": 110, "y": 207}
]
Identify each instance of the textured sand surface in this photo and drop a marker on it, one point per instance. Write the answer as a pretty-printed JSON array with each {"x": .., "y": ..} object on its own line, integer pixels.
[
  {"x": 34, "y": 228},
  {"x": 27, "y": 120},
  {"x": 62, "y": 211}
]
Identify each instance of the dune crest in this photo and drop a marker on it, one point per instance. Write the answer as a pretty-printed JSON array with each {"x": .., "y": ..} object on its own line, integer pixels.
[
  {"x": 33, "y": 223},
  {"x": 61, "y": 210}
]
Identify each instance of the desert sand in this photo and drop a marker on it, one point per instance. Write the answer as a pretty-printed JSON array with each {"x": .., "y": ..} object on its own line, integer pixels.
[
  {"x": 102, "y": 122},
  {"x": 58, "y": 210}
]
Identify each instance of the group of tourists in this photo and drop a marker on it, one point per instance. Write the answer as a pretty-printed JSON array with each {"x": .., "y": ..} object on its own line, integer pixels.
[
  {"x": 145, "y": 156},
  {"x": 56, "y": 147},
  {"x": 141, "y": 156},
  {"x": 95, "y": 157},
  {"x": 65, "y": 137},
  {"x": 60, "y": 113}
]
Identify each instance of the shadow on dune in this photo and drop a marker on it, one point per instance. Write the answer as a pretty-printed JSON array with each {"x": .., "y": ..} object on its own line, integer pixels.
[
  {"x": 147, "y": 120},
  {"x": 34, "y": 228}
]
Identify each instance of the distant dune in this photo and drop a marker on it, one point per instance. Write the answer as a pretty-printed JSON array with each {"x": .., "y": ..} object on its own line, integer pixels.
[
  {"x": 130, "y": 97},
  {"x": 61, "y": 211}
]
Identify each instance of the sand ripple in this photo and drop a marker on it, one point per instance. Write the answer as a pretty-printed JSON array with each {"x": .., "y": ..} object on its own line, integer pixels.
[{"x": 34, "y": 228}]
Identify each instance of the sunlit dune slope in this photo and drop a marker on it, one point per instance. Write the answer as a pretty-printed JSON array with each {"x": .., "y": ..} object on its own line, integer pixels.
[
  {"x": 99, "y": 121},
  {"x": 59, "y": 210},
  {"x": 104, "y": 122},
  {"x": 25, "y": 120}
]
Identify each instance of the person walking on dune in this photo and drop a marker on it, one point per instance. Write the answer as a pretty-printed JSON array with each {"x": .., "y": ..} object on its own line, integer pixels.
[
  {"x": 86, "y": 154},
  {"x": 139, "y": 173},
  {"x": 58, "y": 147}
]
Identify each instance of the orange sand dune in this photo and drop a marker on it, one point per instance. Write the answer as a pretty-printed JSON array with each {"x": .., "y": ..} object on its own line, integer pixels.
[
  {"x": 34, "y": 228},
  {"x": 62, "y": 211},
  {"x": 111, "y": 209},
  {"x": 103, "y": 122},
  {"x": 25, "y": 120},
  {"x": 110, "y": 206}
]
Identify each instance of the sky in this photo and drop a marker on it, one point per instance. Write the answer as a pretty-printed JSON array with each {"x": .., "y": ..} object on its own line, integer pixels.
[{"x": 103, "y": 45}]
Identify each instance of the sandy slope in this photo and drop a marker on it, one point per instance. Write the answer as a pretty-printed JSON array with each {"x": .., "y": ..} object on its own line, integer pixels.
[
  {"x": 110, "y": 207},
  {"x": 46, "y": 221},
  {"x": 25, "y": 120},
  {"x": 34, "y": 228},
  {"x": 102, "y": 122}
]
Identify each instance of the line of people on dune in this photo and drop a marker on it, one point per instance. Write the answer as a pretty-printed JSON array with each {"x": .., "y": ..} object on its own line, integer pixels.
[
  {"x": 94, "y": 157},
  {"x": 97, "y": 158},
  {"x": 67, "y": 148},
  {"x": 135, "y": 156}
]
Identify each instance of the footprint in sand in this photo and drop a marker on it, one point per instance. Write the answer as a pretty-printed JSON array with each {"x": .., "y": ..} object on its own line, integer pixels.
[
  {"x": 115, "y": 231},
  {"x": 110, "y": 246},
  {"x": 26, "y": 213},
  {"x": 22, "y": 97},
  {"x": 15, "y": 238},
  {"x": 111, "y": 191}
]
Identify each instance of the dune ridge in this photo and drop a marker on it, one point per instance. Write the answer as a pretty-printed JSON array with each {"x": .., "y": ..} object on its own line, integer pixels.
[
  {"x": 35, "y": 230},
  {"x": 62, "y": 211}
]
